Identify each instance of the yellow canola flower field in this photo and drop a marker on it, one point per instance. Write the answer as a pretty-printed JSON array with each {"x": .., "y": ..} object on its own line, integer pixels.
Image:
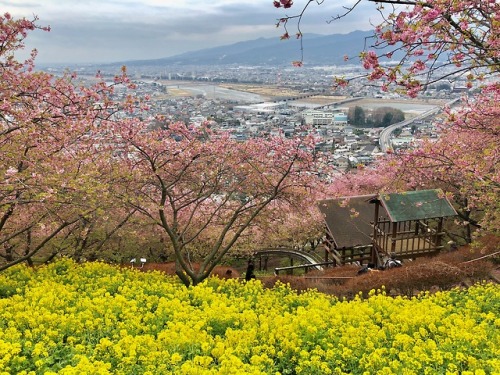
[{"x": 93, "y": 318}]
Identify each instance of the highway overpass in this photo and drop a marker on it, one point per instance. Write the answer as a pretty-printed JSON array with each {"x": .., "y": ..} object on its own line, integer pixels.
[{"x": 385, "y": 135}]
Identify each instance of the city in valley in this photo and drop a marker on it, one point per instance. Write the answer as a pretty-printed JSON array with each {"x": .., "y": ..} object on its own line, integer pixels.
[{"x": 257, "y": 101}]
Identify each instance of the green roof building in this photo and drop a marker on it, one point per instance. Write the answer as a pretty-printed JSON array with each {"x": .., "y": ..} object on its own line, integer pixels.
[{"x": 402, "y": 225}]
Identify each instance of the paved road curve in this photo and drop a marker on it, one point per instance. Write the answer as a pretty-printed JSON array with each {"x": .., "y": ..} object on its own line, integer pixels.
[{"x": 385, "y": 135}]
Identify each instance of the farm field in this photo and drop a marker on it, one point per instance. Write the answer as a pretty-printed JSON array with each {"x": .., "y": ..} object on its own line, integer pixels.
[
  {"x": 94, "y": 318},
  {"x": 264, "y": 90}
]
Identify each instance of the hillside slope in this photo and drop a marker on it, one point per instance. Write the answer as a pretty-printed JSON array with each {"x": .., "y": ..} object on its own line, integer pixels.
[{"x": 459, "y": 268}]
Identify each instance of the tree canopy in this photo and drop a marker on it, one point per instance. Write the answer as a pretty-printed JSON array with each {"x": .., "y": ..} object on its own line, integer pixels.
[
  {"x": 54, "y": 172},
  {"x": 82, "y": 170},
  {"x": 206, "y": 190},
  {"x": 379, "y": 117}
]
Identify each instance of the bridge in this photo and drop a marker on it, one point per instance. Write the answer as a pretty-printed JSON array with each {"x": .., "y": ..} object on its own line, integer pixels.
[
  {"x": 340, "y": 102},
  {"x": 280, "y": 99},
  {"x": 309, "y": 259}
]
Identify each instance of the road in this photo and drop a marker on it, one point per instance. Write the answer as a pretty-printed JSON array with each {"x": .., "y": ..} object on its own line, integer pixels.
[{"x": 385, "y": 135}]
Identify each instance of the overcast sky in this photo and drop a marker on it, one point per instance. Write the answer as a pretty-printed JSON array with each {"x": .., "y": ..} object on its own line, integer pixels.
[{"x": 120, "y": 30}]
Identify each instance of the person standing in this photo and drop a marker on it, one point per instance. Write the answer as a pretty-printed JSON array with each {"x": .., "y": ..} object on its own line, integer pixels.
[{"x": 249, "y": 275}]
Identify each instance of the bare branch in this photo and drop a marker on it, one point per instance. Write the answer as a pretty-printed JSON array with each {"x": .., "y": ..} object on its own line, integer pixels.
[{"x": 348, "y": 10}]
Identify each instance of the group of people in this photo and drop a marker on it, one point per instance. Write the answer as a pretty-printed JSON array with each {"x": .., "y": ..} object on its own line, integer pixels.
[{"x": 389, "y": 262}]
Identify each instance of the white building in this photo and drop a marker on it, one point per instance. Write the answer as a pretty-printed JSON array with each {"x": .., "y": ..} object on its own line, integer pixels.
[{"x": 316, "y": 117}]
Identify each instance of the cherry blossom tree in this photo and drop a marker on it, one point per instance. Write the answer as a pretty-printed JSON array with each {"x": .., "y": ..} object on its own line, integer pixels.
[
  {"x": 76, "y": 170},
  {"x": 206, "y": 190},
  {"x": 55, "y": 170},
  {"x": 291, "y": 226}
]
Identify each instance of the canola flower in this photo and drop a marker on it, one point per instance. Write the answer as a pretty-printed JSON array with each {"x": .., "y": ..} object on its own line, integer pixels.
[{"x": 93, "y": 318}]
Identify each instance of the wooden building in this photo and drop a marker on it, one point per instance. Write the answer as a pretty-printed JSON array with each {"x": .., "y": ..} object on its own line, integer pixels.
[{"x": 367, "y": 228}]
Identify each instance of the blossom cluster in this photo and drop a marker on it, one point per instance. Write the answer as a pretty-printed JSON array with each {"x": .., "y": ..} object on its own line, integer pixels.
[
  {"x": 93, "y": 318},
  {"x": 283, "y": 3}
]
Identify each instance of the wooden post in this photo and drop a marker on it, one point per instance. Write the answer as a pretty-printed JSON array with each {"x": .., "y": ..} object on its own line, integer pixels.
[
  {"x": 375, "y": 221},
  {"x": 374, "y": 249},
  {"x": 438, "y": 233},
  {"x": 327, "y": 243},
  {"x": 394, "y": 235}
]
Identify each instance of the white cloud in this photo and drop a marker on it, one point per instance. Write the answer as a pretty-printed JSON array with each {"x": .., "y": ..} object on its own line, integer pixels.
[{"x": 117, "y": 30}]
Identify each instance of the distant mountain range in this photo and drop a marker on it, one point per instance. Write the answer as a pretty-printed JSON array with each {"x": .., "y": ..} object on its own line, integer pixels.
[{"x": 318, "y": 50}]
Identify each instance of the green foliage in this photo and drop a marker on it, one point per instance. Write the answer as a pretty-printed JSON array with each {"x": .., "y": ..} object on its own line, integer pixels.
[
  {"x": 397, "y": 132},
  {"x": 379, "y": 117},
  {"x": 356, "y": 116}
]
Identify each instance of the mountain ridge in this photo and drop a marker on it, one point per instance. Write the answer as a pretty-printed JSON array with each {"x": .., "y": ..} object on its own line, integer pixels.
[{"x": 318, "y": 50}]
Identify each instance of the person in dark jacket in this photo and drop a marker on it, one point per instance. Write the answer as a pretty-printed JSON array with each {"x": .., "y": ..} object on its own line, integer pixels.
[{"x": 249, "y": 275}]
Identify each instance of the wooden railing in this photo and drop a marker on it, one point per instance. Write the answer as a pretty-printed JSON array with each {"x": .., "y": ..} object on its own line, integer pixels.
[
  {"x": 306, "y": 267},
  {"x": 409, "y": 238}
]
